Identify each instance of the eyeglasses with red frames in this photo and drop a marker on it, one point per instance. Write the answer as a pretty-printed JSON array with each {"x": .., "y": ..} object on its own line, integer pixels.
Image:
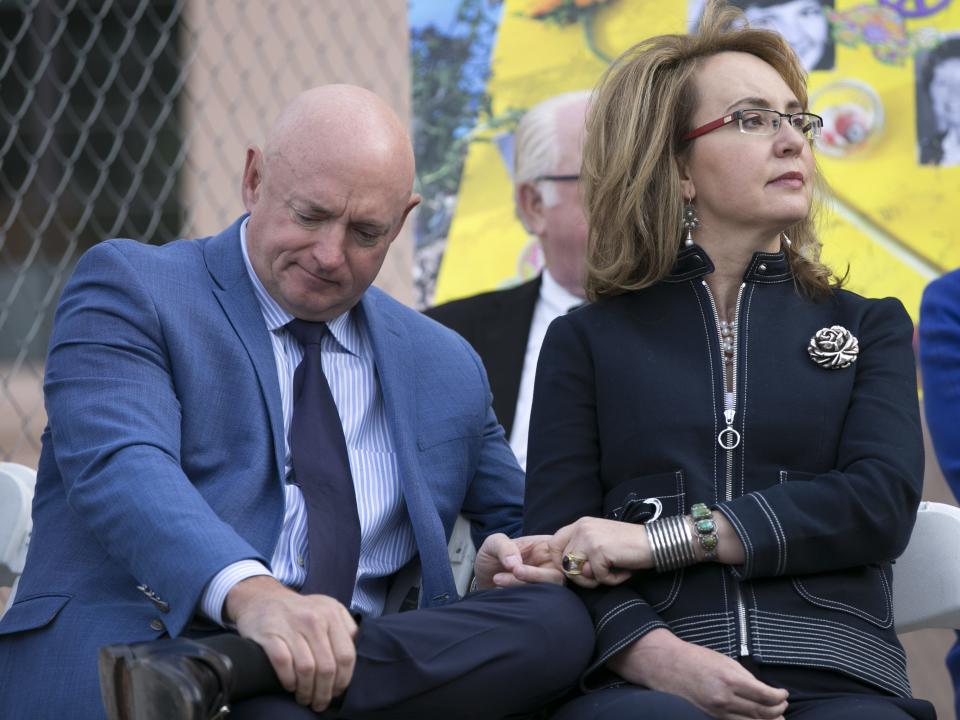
[
  {"x": 557, "y": 178},
  {"x": 763, "y": 121}
]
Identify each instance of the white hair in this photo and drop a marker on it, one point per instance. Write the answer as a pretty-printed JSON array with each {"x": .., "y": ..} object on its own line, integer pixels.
[{"x": 536, "y": 147}]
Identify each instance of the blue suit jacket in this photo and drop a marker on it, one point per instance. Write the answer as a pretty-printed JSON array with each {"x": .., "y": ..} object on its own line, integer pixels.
[
  {"x": 940, "y": 366},
  {"x": 163, "y": 459},
  {"x": 940, "y": 370}
]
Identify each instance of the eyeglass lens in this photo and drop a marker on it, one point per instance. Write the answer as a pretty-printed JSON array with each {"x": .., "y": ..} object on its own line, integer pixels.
[{"x": 767, "y": 122}]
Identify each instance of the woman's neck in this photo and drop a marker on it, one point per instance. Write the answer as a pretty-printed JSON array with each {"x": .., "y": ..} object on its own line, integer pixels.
[{"x": 730, "y": 256}]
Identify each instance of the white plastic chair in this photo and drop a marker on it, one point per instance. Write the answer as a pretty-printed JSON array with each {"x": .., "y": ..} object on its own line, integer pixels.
[
  {"x": 462, "y": 553},
  {"x": 16, "y": 497},
  {"x": 926, "y": 578}
]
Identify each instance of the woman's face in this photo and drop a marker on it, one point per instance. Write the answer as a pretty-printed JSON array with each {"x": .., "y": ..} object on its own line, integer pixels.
[
  {"x": 741, "y": 183},
  {"x": 945, "y": 95},
  {"x": 801, "y": 22}
]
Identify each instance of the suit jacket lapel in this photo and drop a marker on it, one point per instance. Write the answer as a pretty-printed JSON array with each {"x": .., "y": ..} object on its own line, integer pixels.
[
  {"x": 235, "y": 294},
  {"x": 394, "y": 359}
]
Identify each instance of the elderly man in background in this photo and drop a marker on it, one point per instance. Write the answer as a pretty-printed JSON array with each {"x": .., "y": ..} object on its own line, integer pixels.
[
  {"x": 244, "y": 434},
  {"x": 506, "y": 327}
]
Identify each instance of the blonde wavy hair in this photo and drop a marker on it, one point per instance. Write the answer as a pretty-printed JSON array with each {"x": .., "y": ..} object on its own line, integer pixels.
[{"x": 640, "y": 111}]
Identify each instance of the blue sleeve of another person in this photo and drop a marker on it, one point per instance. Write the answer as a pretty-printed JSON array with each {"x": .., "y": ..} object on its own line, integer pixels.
[{"x": 940, "y": 368}]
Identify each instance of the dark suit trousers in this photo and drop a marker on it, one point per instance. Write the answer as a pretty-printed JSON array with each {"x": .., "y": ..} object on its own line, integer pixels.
[
  {"x": 814, "y": 695},
  {"x": 495, "y": 653}
]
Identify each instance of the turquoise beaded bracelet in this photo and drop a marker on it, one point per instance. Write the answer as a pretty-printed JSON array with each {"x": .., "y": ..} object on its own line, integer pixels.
[{"x": 706, "y": 529}]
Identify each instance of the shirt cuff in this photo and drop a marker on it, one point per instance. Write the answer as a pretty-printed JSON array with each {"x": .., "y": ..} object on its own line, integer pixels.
[{"x": 215, "y": 594}]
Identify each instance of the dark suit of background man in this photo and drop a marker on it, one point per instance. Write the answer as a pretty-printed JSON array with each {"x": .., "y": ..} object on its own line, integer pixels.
[
  {"x": 169, "y": 500},
  {"x": 506, "y": 327}
]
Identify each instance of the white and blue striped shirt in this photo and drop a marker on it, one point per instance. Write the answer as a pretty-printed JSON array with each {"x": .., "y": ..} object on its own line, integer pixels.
[{"x": 386, "y": 535}]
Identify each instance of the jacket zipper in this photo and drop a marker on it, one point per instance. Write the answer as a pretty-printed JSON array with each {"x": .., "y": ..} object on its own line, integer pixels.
[{"x": 729, "y": 438}]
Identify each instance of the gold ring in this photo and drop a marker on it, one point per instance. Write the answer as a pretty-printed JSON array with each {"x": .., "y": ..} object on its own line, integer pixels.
[{"x": 572, "y": 563}]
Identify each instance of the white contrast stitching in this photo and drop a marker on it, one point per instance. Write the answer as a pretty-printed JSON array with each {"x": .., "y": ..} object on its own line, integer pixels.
[
  {"x": 782, "y": 564},
  {"x": 602, "y": 622},
  {"x": 885, "y": 623}
]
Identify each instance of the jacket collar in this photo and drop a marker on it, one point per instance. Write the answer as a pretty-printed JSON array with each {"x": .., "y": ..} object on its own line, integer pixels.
[{"x": 693, "y": 262}]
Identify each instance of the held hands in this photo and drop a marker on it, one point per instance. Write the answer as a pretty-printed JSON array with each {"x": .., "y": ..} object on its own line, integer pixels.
[
  {"x": 715, "y": 683},
  {"x": 611, "y": 550},
  {"x": 309, "y": 639},
  {"x": 505, "y": 562}
]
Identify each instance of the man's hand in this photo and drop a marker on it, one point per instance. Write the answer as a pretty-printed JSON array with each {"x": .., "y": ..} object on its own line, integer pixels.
[
  {"x": 716, "y": 684},
  {"x": 502, "y": 562},
  {"x": 308, "y": 638},
  {"x": 4, "y": 596}
]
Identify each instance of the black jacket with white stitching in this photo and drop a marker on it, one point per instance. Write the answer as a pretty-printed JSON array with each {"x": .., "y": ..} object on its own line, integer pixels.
[{"x": 822, "y": 488}]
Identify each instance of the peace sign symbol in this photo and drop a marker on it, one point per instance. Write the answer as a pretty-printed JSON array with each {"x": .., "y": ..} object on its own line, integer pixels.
[{"x": 916, "y": 8}]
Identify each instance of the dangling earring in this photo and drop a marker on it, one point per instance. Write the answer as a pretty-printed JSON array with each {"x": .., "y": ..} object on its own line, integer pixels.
[
  {"x": 786, "y": 241},
  {"x": 690, "y": 222}
]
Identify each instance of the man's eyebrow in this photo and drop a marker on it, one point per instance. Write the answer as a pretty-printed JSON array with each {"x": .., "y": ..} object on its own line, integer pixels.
[
  {"x": 309, "y": 208},
  {"x": 371, "y": 226},
  {"x": 312, "y": 209}
]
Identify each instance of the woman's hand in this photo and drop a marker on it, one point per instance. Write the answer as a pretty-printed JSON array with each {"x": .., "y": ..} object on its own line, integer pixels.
[
  {"x": 612, "y": 550},
  {"x": 715, "y": 683}
]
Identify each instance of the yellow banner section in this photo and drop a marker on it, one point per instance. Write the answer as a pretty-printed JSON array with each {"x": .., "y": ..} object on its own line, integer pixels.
[{"x": 886, "y": 148}]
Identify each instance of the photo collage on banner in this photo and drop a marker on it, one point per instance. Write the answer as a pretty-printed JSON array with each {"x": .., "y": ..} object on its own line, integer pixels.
[{"x": 885, "y": 76}]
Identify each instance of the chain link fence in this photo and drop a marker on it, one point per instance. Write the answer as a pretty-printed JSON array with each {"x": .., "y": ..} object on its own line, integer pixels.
[{"x": 129, "y": 118}]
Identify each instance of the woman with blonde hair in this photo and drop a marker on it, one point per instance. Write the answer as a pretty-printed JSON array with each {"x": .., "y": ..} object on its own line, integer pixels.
[{"x": 725, "y": 444}]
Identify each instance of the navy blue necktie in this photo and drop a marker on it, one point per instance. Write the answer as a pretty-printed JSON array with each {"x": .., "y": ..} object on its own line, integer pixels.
[{"x": 322, "y": 470}]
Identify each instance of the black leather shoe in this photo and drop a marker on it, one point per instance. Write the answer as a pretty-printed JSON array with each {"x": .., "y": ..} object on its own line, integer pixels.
[{"x": 164, "y": 680}]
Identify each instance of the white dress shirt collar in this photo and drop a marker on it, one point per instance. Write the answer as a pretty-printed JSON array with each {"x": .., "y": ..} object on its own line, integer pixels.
[
  {"x": 556, "y": 297},
  {"x": 343, "y": 328},
  {"x": 554, "y": 301}
]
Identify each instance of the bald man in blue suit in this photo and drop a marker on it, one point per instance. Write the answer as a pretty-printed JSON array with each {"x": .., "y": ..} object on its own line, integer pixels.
[{"x": 163, "y": 509}]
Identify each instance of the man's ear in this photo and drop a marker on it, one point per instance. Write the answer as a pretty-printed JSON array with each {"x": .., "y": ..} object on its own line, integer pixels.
[
  {"x": 531, "y": 208},
  {"x": 414, "y": 201},
  {"x": 252, "y": 177}
]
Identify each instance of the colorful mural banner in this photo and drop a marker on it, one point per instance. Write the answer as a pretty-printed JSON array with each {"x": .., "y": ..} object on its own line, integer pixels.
[{"x": 884, "y": 75}]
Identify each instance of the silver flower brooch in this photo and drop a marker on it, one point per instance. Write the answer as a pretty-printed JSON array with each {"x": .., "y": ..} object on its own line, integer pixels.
[{"x": 833, "y": 348}]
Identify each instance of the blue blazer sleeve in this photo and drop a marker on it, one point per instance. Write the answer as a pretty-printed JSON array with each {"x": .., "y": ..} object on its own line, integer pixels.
[
  {"x": 116, "y": 425},
  {"x": 494, "y": 498},
  {"x": 940, "y": 370}
]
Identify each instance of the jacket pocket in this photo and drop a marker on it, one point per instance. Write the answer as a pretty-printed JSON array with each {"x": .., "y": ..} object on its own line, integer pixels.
[
  {"x": 32, "y": 613},
  {"x": 641, "y": 500},
  {"x": 864, "y": 591}
]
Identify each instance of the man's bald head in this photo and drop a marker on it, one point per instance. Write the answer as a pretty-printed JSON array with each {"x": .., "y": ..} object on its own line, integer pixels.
[
  {"x": 327, "y": 195},
  {"x": 342, "y": 124}
]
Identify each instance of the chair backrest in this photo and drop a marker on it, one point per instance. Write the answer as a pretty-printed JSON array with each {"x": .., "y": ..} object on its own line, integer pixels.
[
  {"x": 462, "y": 553},
  {"x": 405, "y": 587},
  {"x": 926, "y": 578},
  {"x": 16, "y": 497}
]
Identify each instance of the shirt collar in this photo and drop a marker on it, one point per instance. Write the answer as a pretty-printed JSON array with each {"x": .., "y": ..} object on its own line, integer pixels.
[
  {"x": 554, "y": 295},
  {"x": 343, "y": 328}
]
